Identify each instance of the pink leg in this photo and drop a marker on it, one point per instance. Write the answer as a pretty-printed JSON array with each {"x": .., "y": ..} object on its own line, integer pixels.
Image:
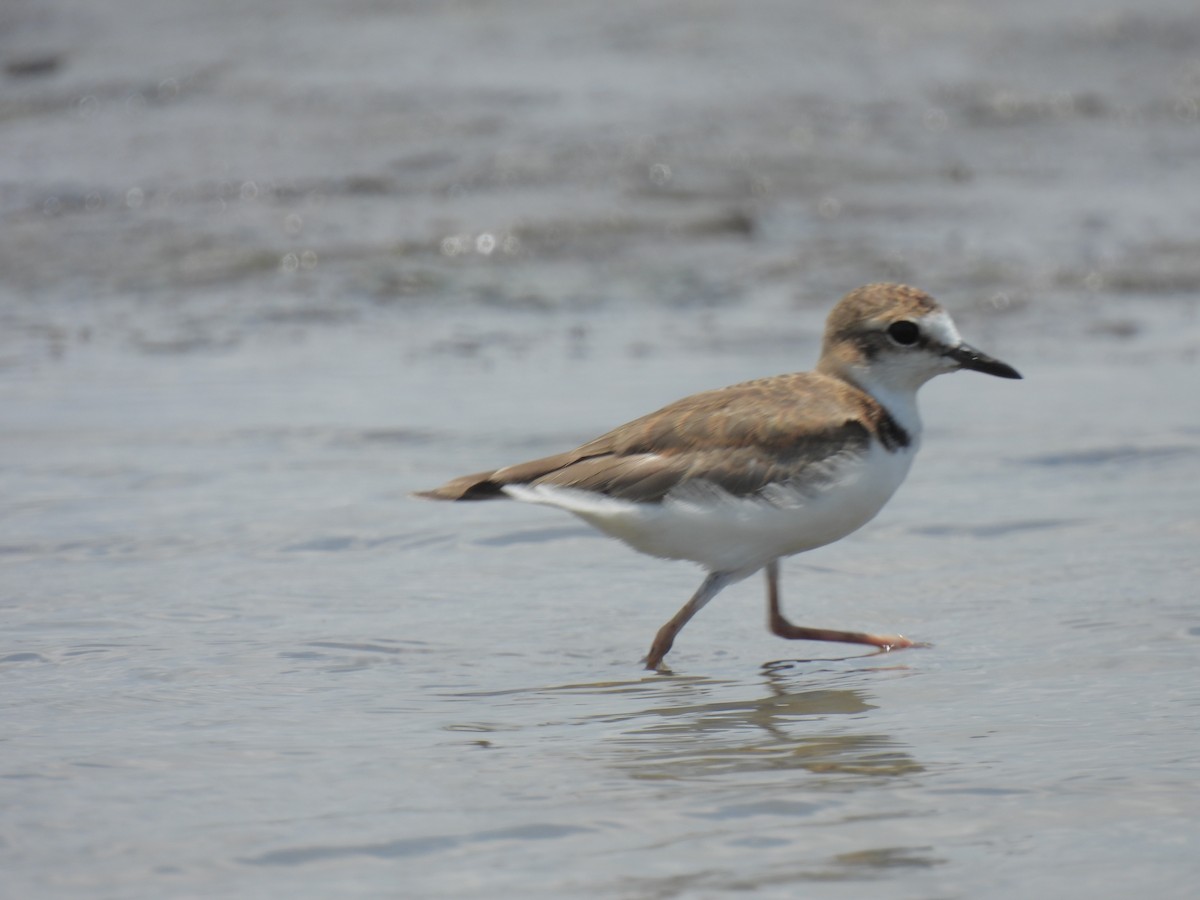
[
  {"x": 785, "y": 629},
  {"x": 711, "y": 586}
]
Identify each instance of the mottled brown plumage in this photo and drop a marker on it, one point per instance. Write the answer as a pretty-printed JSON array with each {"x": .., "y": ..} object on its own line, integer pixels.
[
  {"x": 740, "y": 438},
  {"x": 739, "y": 477}
]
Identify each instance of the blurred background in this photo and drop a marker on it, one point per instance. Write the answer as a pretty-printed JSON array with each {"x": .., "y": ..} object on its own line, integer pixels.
[
  {"x": 266, "y": 267},
  {"x": 182, "y": 177}
]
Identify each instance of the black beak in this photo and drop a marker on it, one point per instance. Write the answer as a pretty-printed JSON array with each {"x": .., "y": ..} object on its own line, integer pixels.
[{"x": 969, "y": 358}]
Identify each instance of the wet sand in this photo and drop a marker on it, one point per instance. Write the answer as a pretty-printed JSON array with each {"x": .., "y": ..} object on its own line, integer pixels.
[{"x": 268, "y": 268}]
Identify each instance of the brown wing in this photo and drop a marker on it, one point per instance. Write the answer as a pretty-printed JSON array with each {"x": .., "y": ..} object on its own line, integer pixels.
[{"x": 740, "y": 438}]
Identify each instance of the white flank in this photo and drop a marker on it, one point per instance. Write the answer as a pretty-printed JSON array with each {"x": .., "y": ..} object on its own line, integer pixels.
[{"x": 724, "y": 533}]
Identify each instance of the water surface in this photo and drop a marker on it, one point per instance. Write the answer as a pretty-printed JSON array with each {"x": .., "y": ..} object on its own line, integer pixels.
[{"x": 267, "y": 271}]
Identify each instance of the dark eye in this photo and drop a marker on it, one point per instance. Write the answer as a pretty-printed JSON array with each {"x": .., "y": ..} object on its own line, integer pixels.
[{"x": 905, "y": 333}]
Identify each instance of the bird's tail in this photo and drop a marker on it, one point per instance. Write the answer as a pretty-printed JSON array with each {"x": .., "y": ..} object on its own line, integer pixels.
[{"x": 480, "y": 486}]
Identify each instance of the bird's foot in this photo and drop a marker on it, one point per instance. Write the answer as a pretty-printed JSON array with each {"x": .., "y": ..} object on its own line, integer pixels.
[
  {"x": 654, "y": 661},
  {"x": 888, "y": 642}
]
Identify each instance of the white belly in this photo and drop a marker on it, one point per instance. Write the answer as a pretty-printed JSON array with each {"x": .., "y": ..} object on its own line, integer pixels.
[{"x": 729, "y": 534}]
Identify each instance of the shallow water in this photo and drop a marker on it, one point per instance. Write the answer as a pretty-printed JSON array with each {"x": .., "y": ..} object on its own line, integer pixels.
[{"x": 239, "y": 659}]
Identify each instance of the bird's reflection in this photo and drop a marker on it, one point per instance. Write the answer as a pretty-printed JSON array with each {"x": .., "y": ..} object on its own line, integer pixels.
[
  {"x": 697, "y": 727},
  {"x": 743, "y": 762}
]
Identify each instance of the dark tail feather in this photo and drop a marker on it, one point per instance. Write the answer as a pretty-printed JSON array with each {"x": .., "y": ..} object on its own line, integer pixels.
[
  {"x": 469, "y": 487},
  {"x": 490, "y": 485}
]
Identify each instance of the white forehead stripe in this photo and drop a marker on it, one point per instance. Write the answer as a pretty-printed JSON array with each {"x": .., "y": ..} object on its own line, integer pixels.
[{"x": 940, "y": 328}]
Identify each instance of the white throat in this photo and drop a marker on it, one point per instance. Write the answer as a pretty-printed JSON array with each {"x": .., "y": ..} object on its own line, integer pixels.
[{"x": 900, "y": 402}]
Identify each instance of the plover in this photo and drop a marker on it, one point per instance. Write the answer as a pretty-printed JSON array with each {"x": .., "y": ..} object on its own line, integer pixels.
[{"x": 737, "y": 478}]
